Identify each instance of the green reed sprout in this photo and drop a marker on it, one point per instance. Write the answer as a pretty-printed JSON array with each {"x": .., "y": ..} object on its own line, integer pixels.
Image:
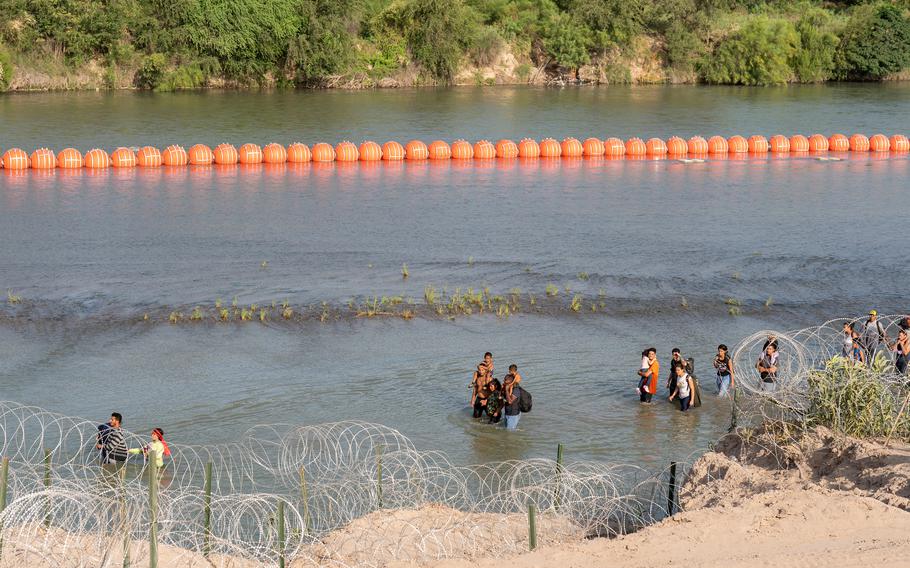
[
  {"x": 196, "y": 314},
  {"x": 552, "y": 289},
  {"x": 13, "y": 298},
  {"x": 583, "y": 276},
  {"x": 575, "y": 305},
  {"x": 404, "y": 272},
  {"x": 429, "y": 295}
]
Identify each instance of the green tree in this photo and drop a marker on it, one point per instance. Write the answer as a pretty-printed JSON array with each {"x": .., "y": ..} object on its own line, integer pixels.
[
  {"x": 814, "y": 60},
  {"x": 758, "y": 54},
  {"x": 567, "y": 40},
  {"x": 875, "y": 43},
  {"x": 614, "y": 22}
]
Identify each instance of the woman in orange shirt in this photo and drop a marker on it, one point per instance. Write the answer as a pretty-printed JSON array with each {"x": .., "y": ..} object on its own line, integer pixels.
[{"x": 651, "y": 373}]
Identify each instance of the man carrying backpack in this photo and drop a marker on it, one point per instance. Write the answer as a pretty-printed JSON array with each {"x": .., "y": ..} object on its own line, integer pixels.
[
  {"x": 874, "y": 335},
  {"x": 517, "y": 400}
]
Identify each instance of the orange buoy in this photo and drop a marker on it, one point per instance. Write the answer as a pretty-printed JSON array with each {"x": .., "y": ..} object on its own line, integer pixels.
[
  {"x": 900, "y": 143},
  {"x": 345, "y": 152},
  {"x": 859, "y": 143},
  {"x": 97, "y": 159},
  {"x": 838, "y": 143},
  {"x": 818, "y": 143},
  {"x": 879, "y": 143},
  {"x": 299, "y": 153},
  {"x": 174, "y": 156},
  {"x": 147, "y": 157},
  {"x": 507, "y": 149},
  {"x": 323, "y": 152},
  {"x": 656, "y": 147},
  {"x": 718, "y": 145},
  {"x": 15, "y": 159},
  {"x": 370, "y": 151},
  {"x": 43, "y": 159},
  {"x": 614, "y": 148},
  {"x": 572, "y": 148},
  {"x": 779, "y": 144},
  {"x": 676, "y": 146},
  {"x": 249, "y": 154},
  {"x": 636, "y": 147},
  {"x": 698, "y": 146},
  {"x": 737, "y": 145},
  {"x": 225, "y": 154},
  {"x": 799, "y": 143},
  {"x": 123, "y": 158},
  {"x": 757, "y": 144},
  {"x": 528, "y": 148},
  {"x": 462, "y": 150},
  {"x": 416, "y": 150},
  {"x": 274, "y": 153},
  {"x": 69, "y": 158},
  {"x": 439, "y": 150},
  {"x": 593, "y": 147},
  {"x": 484, "y": 150},
  {"x": 550, "y": 148},
  {"x": 200, "y": 155},
  {"x": 392, "y": 151}
]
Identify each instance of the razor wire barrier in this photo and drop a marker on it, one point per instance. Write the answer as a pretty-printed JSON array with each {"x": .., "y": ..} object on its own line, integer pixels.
[{"x": 351, "y": 494}]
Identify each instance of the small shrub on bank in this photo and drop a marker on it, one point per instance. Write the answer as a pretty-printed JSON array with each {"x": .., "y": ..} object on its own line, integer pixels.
[
  {"x": 758, "y": 54},
  {"x": 875, "y": 44}
]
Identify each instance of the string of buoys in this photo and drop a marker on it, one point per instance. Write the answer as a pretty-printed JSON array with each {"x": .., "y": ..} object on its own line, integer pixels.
[{"x": 675, "y": 147}]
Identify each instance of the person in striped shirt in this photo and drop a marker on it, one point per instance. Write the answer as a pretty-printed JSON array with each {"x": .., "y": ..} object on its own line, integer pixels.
[{"x": 111, "y": 442}]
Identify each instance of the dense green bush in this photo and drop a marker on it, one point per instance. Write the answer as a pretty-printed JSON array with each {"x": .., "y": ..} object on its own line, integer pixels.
[
  {"x": 758, "y": 54},
  {"x": 875, "y": 43},
  {"x": 6, "y": 69},
  {"x": 176, "y": 45},
  {"x": 568, "y": 41}
]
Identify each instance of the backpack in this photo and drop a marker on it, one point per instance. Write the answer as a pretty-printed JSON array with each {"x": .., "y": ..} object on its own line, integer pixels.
[{"x": 524, "y": 400}]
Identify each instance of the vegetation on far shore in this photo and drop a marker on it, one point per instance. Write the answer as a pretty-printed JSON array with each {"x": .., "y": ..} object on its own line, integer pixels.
[{"x": 322, "y": 43}]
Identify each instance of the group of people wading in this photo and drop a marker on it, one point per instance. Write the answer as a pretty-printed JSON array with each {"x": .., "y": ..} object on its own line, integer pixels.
[
  {"x": 682, "y": 385},
  {"x": 498, "y": 400},
  {"x": 864, "y": 340}
]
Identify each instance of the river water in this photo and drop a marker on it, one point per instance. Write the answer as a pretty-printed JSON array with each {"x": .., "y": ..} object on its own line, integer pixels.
[{"x": 657, "y": 247}]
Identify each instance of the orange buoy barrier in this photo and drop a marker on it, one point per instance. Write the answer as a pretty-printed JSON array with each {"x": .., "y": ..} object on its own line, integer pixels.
[
  {"x": 439, "y": 150},
  {"x": 416, "y": 150},
  {"x": 718, "y": 145},
  {"x": 225, "y": 154},
  {"x": 249, "y": 154},
  {"x": 69, "y": 158},
  {"x": 614, "y": 147},
  {"x": 676, "y": 146},
  {"x": 392, "y": 151},
  {"x": 859, "y": 143},
  {"x": 43, "y": 159},
  {"x": 737, "y": 145},
  {"x": 900, "y": 143},
  {"x": 656, "y": 147},
  {"x": 370, "y": 151},
  {"x": 593, "y": 147},
  {"x": 758, "y": 144},
  {"x": 174, "y": 156},
  {"x": 571, "y": 148},
  {"x": 550, "y": 148},
  {"x": 697, "y": 146},
  {"x": 484, "y": 150},
  {"x": 528, "y": 148},
  {"x": 838, "y": 143},
  {"x": 818, "y": 143},
  {"x": 200, "y": 155},
  {"x": 507, "y": 149},
  {"x": 345, "y": 152},
  {"x": 323, "y": 152},
  {"x": 879, "y": 143},
  {"x": 97, "y": 159},
  {"x": 274, "y": 153},
  {"x": 636, "y": 147},
  {"x": 462, "y": 150},
  {"x": 15, "y": 159},
  {"x": 147, "y": 157},
  {"x": 123, "y": 158}
]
